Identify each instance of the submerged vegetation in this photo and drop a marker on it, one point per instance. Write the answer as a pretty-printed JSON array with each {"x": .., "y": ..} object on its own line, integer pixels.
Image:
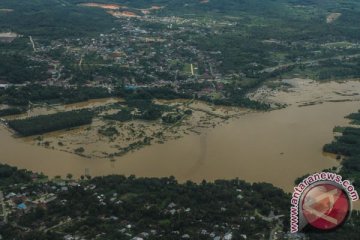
[
  {"x": 348, "y": 145},
  {"x": 139, "y": 108},
  {"x": 123, "y": 116},
  {"x": 11, "y": 111},
  {"x": 47, "y": 123},
  {"x": 109, "y": 131}
]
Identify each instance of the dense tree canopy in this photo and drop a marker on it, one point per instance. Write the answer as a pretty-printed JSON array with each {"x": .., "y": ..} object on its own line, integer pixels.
[{"x": 47, "y": 123}]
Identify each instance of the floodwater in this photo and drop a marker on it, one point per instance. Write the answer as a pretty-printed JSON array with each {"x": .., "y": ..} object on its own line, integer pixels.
[{"x": 275, "y": 147}]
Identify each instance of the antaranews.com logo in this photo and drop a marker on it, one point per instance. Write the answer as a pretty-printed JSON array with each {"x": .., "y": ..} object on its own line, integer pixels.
[{"x": 321, "y": 201}]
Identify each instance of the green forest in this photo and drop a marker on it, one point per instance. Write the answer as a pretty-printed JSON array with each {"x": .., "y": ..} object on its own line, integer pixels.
[
  {"x": 21, "y": 96},
  {"x": 11, "y": 111},
  {"x": 247, "y": 38},
  {"x": 18, "y": 69},
  {"x": 53, "y": 19},
  {"x": 348, "y": 145},
  {"x": 47, "y": 123},
  {"x": 12, "y": 175},
  {"x": 146, "y": 204}
]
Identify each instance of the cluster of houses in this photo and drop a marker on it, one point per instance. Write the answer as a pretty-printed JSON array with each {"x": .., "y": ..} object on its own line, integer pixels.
[
  {"x": 149, "y": 53},
  {"x": 22, "y": 199}
]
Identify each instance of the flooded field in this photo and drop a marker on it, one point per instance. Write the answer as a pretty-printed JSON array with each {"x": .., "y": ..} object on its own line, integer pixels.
[
  {"x": 276, "y": 146},
  {"x": 107, "y": 139}
]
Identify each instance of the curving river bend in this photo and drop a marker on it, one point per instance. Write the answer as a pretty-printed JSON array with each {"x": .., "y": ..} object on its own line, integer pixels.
[{"x": 275, "y": 147}]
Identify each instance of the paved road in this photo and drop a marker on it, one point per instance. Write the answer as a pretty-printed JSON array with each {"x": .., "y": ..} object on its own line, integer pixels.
[{"x": 32, "y": 43}]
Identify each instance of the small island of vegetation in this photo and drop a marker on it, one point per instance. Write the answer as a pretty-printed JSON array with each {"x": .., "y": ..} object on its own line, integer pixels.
[
  {"x": 348, "y": 145},
  {"x": 47, "y": 123}
]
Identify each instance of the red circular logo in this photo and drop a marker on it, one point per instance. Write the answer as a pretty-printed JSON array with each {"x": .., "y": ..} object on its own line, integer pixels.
[{"x": 325, "y": 206}]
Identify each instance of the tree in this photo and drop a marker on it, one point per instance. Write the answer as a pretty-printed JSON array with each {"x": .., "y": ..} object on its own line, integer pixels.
[{"x": 69, "y": 176}]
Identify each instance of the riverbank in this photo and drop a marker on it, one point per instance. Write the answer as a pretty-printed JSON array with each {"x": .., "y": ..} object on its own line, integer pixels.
[
  {"x": 110, "y": 139},
  {"x": 254, "y": 146}
]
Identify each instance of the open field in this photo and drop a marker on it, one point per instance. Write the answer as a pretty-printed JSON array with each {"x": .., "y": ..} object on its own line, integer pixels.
[
  {"x": 8, "y": 36},
  {"x": 333, "y": 17},
  {"x": 119, "y": 14},
  {"x": 5, "y": 10},
  {"x": 103, "y": 6}
]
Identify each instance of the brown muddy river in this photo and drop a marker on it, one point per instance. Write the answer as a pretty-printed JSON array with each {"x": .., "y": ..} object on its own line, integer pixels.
[{"x": 275, "y": 147}]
